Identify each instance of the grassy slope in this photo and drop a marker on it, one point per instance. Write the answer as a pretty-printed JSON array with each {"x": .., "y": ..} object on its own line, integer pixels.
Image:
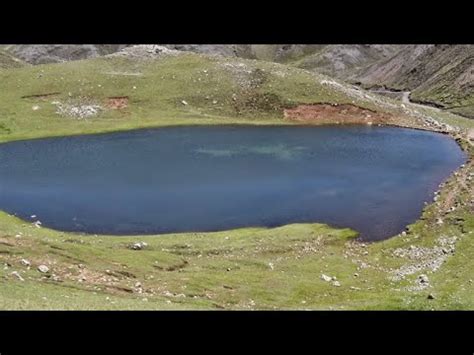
[
  {"x": 157, "y": 97},
  {"x": 246, "y": 268}
]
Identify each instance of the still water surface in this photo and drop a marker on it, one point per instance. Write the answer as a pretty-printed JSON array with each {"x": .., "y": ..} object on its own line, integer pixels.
[{"x": 207, "y": 178}]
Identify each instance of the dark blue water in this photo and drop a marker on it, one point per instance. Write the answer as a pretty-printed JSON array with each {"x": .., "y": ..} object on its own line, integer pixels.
[{"x": 178, "y": 179}]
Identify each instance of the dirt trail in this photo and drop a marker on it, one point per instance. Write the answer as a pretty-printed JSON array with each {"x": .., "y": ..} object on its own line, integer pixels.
[{"x": 406, "y": 100}]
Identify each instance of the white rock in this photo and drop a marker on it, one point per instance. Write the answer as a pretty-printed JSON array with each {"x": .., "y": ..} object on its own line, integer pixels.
[
  {"x": 25, "y": 262},
  {"x": 184, "y": 102},
  {"x": 43, "y": 268},
  {"x": 137, "y": 246},
  {"x": 326, "y": 278},
  {"x": 17, "y": 275},
  {"x": 423, "y": 278}
]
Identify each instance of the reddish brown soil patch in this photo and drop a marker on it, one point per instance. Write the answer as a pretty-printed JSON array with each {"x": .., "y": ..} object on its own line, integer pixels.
[
  {"x": 118, "y": 102},
  {"x": 334, "y": 113}
]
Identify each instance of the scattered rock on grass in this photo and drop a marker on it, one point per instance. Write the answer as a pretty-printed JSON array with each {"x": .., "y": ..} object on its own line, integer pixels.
[
  {"x": 138, "y": 246},
  {"x": 17, "y": 275},
  {"x": 77, "y": 110},
  {"x": 43, "y": 269},
  {"x": 423, "y": 279},
  {"x": 25, "y": 262},
  {"x": 326, "y": 278}
]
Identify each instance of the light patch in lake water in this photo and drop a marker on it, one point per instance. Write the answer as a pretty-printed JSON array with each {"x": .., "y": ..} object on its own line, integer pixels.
[{"x": 279, "y": 151}]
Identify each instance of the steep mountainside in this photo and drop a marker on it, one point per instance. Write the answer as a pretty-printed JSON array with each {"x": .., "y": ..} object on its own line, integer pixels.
[
  {"x": 340, "y": 61},
  {"x": 54, "y": 53},
  {"x": 334, "y": 60},
  {"x": 441, "y": 75}
]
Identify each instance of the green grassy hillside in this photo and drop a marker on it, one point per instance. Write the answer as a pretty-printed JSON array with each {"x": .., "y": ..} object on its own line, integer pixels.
[{"x": 213, "y": 89}]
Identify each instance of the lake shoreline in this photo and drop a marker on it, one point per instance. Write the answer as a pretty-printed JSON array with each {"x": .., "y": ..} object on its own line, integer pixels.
[{"x": 462, "y": 140}]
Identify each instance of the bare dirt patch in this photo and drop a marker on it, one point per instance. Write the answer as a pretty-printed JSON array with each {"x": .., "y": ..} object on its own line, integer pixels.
[
  {"x": 117, "y": 103},
  {"x": 335, "y": 113}
]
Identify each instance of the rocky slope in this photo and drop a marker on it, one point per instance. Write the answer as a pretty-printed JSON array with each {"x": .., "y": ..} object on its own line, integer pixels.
[
  {"x": 54, "y": 53},
  {"x": 442, "y": 75}
]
